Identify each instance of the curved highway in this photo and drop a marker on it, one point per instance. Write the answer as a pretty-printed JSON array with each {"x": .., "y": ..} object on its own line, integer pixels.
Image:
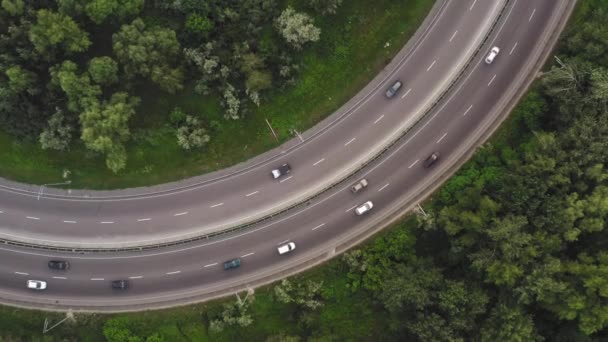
[
  {"x": 321, "y": 227},
  {"x": 171, "y": 212}
]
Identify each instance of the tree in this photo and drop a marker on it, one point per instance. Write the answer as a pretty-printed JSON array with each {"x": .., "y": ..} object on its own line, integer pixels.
[
  {"x": 234, "y": 313},
  {"x": 509, "y": 323},
  {"x": 99, "y": 10},
  {"x": 105, "y": 128},
  {"x": 149, "y": 52},
  {"x": 58, "y": 134},
  {"x": 192, "y": 134},
  {"x": 103, "y": 70},
  {"x": 78, "y": 88},
  {"x": 20, "y": 80},
  {"x": 305, "y": 295},
  {"x": 325, "y": 6},
  {"x": 53, "y": 30},
  {"x": 297, "y": 28},
  {"x": 13, "y": 7}
]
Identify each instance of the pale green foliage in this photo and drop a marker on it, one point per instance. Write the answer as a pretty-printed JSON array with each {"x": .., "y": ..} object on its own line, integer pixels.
[
  {"x": 57, "y": 135},
  {"x": 306, "y": 295},
  {"x": 149, "y": 52},
  {"x": 192, "y": 134},
  {"x": 509, "y": 324},
  {"x": 297, "y": 28},
  {"x": 79, "y": 90},
  {"x": 103, "y": 70},
  {"x": 231, "y": 102},
  {"x": 105, "y": 128},
  {"x": 325, "y": 6},
  {"x": 99, "y": 10},
  {"x": 13, "y": 7},
  {"x": 20, "y": 80},
  {"x": 234, "y": 313},
  {"x": 55, "y": 29}
]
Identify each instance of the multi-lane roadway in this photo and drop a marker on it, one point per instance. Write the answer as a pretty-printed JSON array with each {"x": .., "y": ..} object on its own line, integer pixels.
[{"x": 445, "y": 61}]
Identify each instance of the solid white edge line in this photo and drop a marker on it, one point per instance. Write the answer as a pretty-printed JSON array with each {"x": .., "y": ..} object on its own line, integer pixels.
[{"x": 414, "y": 163}]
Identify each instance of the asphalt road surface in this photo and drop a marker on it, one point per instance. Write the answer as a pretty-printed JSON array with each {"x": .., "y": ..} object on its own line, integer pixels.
[{"x": 177, "y": 274}]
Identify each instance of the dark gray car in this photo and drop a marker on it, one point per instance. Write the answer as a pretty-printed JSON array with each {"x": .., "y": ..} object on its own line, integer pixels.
[
  {"x": 390, "y": 92},
  {"x": 234, "y": 263}
]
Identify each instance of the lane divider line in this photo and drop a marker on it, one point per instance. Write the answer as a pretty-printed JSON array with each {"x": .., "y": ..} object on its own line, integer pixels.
[
  {"x": 350, "y": 209},
  {"x": 136, "y": 277},
  {"x": 143, "y": 219},
  {"x": 217, "y": 205},
  {"x": 97, "y": 279},
  {"x": 60, "y": 278},
  {"x": 282, "y": 180},
  {"x": 33, "y": 218},
  {"x": 513, "y": 49},
  {"x": 431, "y": 66},
  {"x": 492, "y": 80},
  {"x": 22, "y": 273},
  {"x": 382, "y": 188},
  {"x": 107, "y": 222},
  {"x": 215, "y": 263},
  {"x": 69, "y": 221},
  {"x": 180, "y": 214},
  {"x": 350, "y": 141},
  {"x": 378, "y": 119},
  {"x": 251, "y": 194},
  {"x": 319, "y": 226},
  {"x": 319, "y": 162},
  {"x": 453, "y": 35},
  {"x": 414, "y": 163},
  {"x": 443, "y": 136},
  {"x": 407, "y": 92},
  {"x": 467, "y": 111},
  {"x": 248, "y": 254},
  {"x": 174, "y": 272}
]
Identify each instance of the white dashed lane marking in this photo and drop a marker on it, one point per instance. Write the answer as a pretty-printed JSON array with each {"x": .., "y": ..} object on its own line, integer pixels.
[
  {"x": 97, "y": 279},
  {"x": 513, "y": 49},
  {"x": 378, "y": 119},
  {"x": 246, "y": 255},
  {"x": 532, "y": 15},
  {"x": 473, "y": 5},
  {"x": 431, "y": 66},
  {"x": 443, "y": 136},
  {"x": 136, "y": 277},
  {"x": 492, "y": 80},
  {"x": 467, "y": 111},
  {"x": 350, "y": 209},
  {"x": 22, "y": 273},
  {"x": 144, "y": 219},
  {"x": 319, "y": 162},
  {"x": 60, "y": 278},
  {"x": 407, "y": 92},
  {"x": 66, "y": 221},
  {"x": 282, "y": 180},
  {"x": 280, "y": 243},
  {"x": 414, "y": 163},
  {"x": 350, "y": 141},
  {"x": 382, "y": 188},
  {"x": 319, "y": 226},
  {"x": 180, "y": 214},
  {"x": 33, "y": 218},
  {"x": 251, "y": 194},
  {"x": 209, "y": 265},
  {"x": 107, "y": 222},
  {"x": 453, "y": 35},
  {"x": 174, "y": 272},
  {"x": 217, "y": 205}
]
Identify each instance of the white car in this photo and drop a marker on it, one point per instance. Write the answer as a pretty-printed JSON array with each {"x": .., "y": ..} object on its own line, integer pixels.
[
  {"x": 286, "y": 248},
  {"x": 493, "y": 53},
  {"x": 36, "y": 284},
  {"x": 363, "y": 208},
  {"x": 281, "y": 171}
]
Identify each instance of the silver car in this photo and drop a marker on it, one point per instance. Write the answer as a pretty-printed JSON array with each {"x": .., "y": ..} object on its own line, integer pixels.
[
  {"x": 390, "y": 92},
  {"x": 359, "y": 186},
  {"x": 364, "y": 208}
]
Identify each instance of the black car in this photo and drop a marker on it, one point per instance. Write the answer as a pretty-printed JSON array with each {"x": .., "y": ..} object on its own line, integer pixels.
[
  {"x": 434, "y": 157},
  {"x": 281, "y": 171},
  {"x": 120, "y": 284},
  {"x": 234, "y": 263},
  {"x": 59, "y": 265}
]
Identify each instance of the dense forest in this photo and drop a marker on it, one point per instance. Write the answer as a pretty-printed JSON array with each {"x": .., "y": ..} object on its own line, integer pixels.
[{"x": 72, "y": 70}]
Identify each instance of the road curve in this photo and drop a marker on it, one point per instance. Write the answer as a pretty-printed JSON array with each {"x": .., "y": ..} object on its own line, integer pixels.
[
  {"x": 343, "y": 143},
  {"x": 327, "y": 225}
]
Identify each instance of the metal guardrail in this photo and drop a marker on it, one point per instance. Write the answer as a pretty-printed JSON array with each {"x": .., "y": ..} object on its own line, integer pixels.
[{"x": 244, "y": 226}]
